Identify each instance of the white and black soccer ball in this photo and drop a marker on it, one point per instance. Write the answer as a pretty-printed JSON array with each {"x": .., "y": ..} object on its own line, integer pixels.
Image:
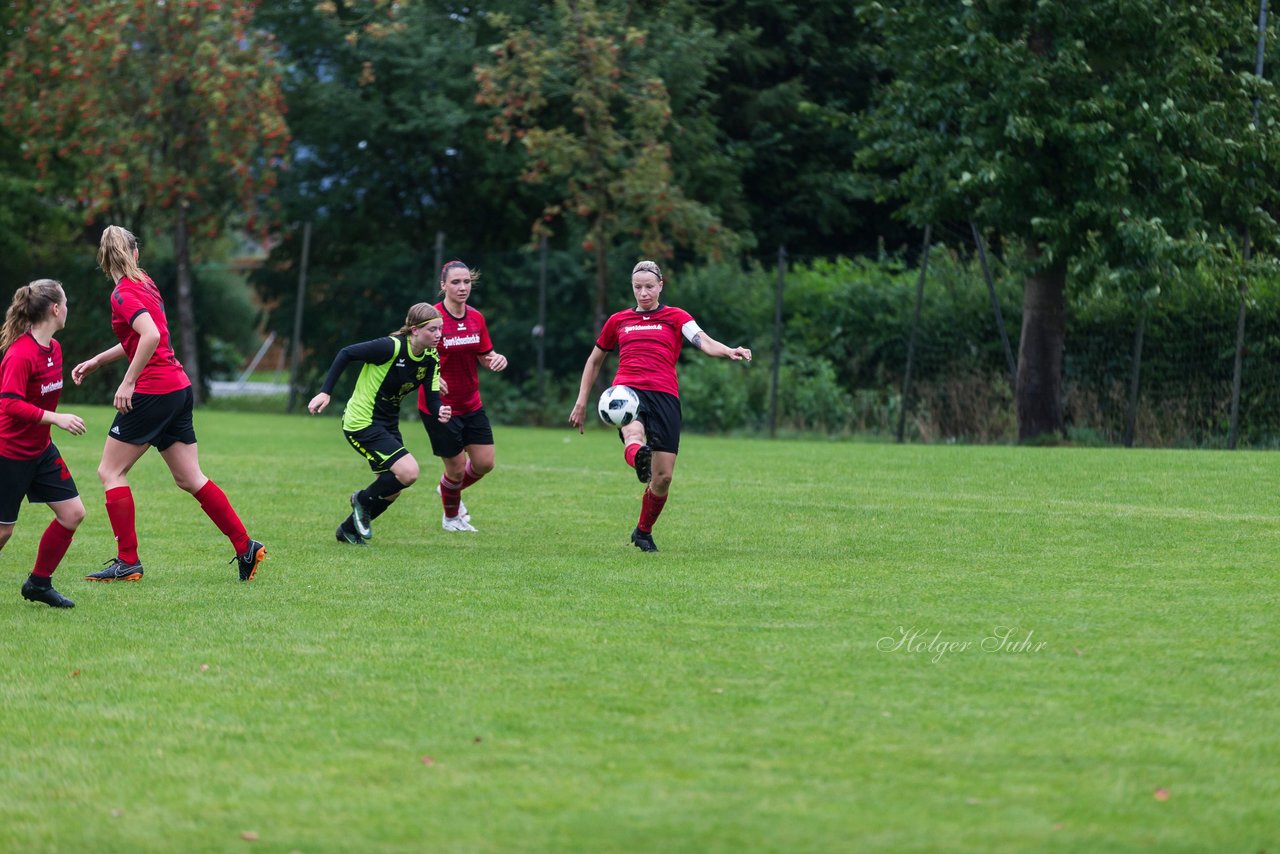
[{"x": 618, "y": 405}]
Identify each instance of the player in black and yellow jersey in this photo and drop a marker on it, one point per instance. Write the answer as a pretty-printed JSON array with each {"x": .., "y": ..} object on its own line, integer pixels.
[{"x": 394, "y": 367}]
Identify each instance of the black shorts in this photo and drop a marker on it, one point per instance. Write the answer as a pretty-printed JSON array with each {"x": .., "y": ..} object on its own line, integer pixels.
[
  {"x": 449, "y": 439},
  {"x": 157, "y": 419},
  {"x": 660, "y": 415},
  {"x": 43, "y": 480},
  {"x": 378, "y": 444}
]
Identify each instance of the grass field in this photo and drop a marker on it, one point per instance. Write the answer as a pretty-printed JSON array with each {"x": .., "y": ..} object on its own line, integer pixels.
[{"x": 813, "y": 662}]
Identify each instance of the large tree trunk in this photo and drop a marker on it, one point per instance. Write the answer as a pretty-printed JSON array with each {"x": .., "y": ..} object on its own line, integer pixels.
[
  {"x": 1044, "y": 327},
  {"x": 186, "y": 304}
]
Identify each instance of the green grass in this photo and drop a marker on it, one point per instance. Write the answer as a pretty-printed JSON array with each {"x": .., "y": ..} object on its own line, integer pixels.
[{"x": 728, "y": 693}]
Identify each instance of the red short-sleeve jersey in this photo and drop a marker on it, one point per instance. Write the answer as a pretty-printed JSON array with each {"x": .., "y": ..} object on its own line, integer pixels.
[
  {"x": 163, "y": 372},
  {"x": 462, "y": 341},
  {"x": 30, "y": 384},
  {"x": 648, "y": 345}
]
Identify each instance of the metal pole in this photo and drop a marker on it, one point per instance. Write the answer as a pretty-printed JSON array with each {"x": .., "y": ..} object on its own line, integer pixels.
[
  {"x": 1237, "y": 370},
  {"x": 915, "y": 326},
  {"x": 777, "y": 342},
  {"x": 439, "y": 253},
  {"x": 295, "y": 366},
  {"x": 995, "y": 306},
  {"x": 253, "y": 363},
  {"x": 540, "y": 331},
  {"x": 1135, "y": 376}
]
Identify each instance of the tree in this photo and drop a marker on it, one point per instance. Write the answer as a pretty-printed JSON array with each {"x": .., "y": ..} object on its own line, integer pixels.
[
  {"x": 1115, "y": 130},
  {"x": 790, "y": 76},
  {"x": 580, "y": 91},
  {"x": 160, "y": 110},
  {"x": 390, "y": 151}
]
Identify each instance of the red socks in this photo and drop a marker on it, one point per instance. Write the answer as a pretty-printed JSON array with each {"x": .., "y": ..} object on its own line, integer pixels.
[
  {"x": 450, "y": 495},
  {"x": 53, "y": 546},
  {"x": 120, "y": 512},
  {"x": 469, "y": 476},
  {"x": 451, "y": 491},
  {"x": 650, "y": 509},
  {"x": 629, "y": 454},
  {"x": 213, "y": 501}
]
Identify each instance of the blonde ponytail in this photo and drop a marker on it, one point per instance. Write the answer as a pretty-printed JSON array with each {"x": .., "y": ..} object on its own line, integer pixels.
[
  {"x": 116, "y": 255},
  {"x": 419, "y": 313},
  {"x": 30, "y": 304}
]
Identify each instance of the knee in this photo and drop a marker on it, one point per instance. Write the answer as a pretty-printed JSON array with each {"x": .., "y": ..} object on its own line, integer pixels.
[
  {"x": 482, "y": 467},
  {"x": 6, "y": 531},
  {"x": 407, "y": 474},
  {"x": 71, "y": 519},
  {"x": 660, "y": 482},
  {"x": 189, "y": 484}
]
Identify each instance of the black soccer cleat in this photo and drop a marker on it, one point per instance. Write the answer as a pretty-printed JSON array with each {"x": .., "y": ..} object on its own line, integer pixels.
[
  {"x": 644, "y": 463},
  {"x": 117, "y": 570},
  {"x": 644, "y": 542},
  {"x": 250, "y": 560},
  {"x": 361, "y": 518},
  {"x": 33, "y": 592},
  {"x": 346, "y": 533}
]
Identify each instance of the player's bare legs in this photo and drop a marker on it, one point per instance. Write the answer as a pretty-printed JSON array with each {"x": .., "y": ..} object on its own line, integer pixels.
[
  {"x": 184, "y": 464},
  {"x": 664, "y": 467},
  {"x": 117, "y": 458},
  {"x": 183, "y": 461},
  {"x": 482, "y": 462}
]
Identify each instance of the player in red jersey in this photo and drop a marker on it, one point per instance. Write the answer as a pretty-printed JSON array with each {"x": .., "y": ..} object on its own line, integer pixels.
[
  {"x": 648, "y": 339},
  {"x": 153, "y": 406},
  {"x": 465, "y": 442},
  {"x": 30, "y": 465}
]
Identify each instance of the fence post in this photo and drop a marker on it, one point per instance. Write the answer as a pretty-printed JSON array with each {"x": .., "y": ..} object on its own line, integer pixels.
[
  {"x": 915, "y": 326},
  {"x": 777, "y": 342},
  {"x": 1237, "y": 371},
  {"x": 295, "y": 366},
  {"x": 1234, "y": 434},
  {"x": 995, "y": 306},
  {"x": 540, "y": 331},
  {"x": 439, "y": 252},
  {"x": 1135, "y": 374}
]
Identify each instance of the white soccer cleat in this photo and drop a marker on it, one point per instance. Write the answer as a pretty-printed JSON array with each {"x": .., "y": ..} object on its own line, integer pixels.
[
  {"x": 462, "y": 508},
  {"x": 456, "y": 523}
]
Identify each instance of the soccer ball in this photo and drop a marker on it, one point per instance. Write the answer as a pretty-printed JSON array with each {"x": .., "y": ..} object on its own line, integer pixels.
[{"x": 618, "y": 405}]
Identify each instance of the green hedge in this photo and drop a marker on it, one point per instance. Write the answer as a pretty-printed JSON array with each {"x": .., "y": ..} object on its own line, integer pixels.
[
  {"x": 847, "y": 323},
  {"x": 844, "y": 340}
]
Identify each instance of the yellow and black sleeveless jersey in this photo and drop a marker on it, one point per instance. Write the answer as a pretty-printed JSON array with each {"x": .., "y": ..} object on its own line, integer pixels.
[{"x": 390, "y": 372}]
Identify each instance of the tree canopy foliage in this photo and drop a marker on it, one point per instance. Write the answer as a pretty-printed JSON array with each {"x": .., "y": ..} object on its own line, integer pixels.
[
  {"x": 584, "y": 96},
  {"x": 1117, "y": 131},
  {"x": 164, "y": 114},
  {"x": 1111, "y": 143},
  {"x": 158, "y": 103}
]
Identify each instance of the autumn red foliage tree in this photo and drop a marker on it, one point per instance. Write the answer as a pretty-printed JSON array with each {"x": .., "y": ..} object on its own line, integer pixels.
[
  {"x": 580, "y": 91},
  {"x": 166, "y": 115}
]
